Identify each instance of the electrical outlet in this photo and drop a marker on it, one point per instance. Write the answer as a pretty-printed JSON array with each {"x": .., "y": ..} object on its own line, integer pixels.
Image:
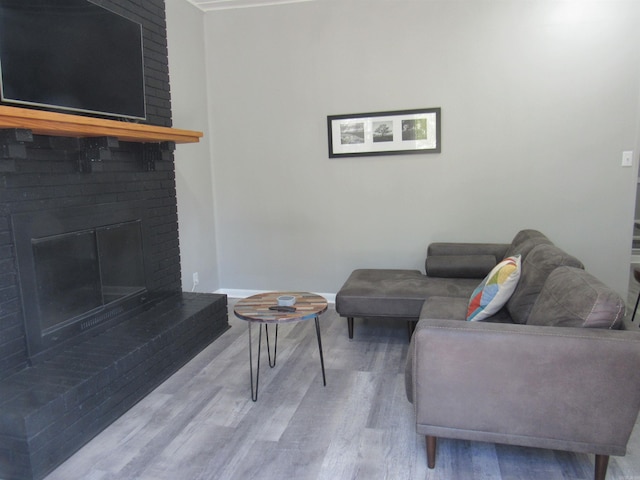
[{"x": 196, "y": 279}]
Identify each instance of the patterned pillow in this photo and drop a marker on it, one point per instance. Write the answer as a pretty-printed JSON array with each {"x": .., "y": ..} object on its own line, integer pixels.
[{"x": 494, "y": 291}]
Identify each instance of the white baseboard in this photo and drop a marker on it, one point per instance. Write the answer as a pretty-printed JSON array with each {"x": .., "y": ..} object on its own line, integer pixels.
[{"x": 239, "y": 293}]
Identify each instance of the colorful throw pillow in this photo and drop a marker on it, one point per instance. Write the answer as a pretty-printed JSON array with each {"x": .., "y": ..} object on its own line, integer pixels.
[{"x": 494, "y": 291}]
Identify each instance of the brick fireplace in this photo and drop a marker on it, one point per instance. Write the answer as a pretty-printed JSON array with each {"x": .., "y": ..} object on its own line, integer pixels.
[{"x": 87, "y": 332}]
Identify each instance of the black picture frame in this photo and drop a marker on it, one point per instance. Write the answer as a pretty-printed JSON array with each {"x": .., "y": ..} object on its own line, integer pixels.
[{"x": 397, "y": 132}]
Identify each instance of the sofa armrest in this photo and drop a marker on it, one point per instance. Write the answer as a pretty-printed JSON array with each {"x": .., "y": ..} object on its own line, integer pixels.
[
  {"x": 463, "y": 260},
  {"x": 550, "y": 387}
]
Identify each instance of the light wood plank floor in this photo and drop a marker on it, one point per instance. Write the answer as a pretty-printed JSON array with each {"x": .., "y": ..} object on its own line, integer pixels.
[{"x": 202, "y": 424}]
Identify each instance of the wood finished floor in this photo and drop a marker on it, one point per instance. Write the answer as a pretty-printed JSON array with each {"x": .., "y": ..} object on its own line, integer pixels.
[{"x": 202, "y": 424}]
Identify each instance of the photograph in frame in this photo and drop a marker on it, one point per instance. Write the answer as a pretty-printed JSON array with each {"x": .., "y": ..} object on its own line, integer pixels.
[{"x": 384, "y": 133}]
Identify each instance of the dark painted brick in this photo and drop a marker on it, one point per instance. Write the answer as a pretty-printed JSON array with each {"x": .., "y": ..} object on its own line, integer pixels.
[
  {"x": 12, "y": 364},
  {"x": 9, "y": 307},
  {"x": 97, "y": 382},
  {"x": 5, "y": 237},
  {"x": 6, "y": 252},
  {"x": 10, "y": 328},
  {"x": 8, "y": 293},
  {"x": 13, "y": 347}
]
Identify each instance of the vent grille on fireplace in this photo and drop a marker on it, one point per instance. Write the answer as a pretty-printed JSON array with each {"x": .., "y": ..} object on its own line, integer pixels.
[{"x": 101, "y": 318}]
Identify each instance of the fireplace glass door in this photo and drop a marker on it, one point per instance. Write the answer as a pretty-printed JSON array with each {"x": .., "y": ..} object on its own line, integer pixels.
[
  {"x": 67, "y": 277},
  {"x": 79, "y": 272}
]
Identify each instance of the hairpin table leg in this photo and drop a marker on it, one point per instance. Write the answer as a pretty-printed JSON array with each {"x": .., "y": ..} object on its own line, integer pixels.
[
  {"x": 254, "y": 392},
  {"x": 254, "y": 387},
  {"x": 275, "y": 345},
  {"x": 324, "y": 379}
]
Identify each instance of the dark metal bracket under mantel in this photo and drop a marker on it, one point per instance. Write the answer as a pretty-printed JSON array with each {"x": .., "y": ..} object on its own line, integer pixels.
[{"x": 92, "y": 152}]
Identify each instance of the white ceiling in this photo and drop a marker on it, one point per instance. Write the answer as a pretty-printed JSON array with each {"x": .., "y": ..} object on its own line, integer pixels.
[{"x": 211, "y": 5}]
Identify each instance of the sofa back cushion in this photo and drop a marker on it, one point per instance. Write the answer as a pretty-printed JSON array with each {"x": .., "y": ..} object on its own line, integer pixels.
[
  {"x": 571, "y": 297},
  {"x": 540, "y": 262},
  {"x": 459, "y": 266},
  {"x": 525, "y": 241}
]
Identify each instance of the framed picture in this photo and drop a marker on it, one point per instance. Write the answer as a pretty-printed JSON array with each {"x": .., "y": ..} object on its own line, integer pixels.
[{"x": 384, "y": 133}]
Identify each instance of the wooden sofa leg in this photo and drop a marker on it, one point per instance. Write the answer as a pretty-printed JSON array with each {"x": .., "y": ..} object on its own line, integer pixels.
[
  {"x": 431, "y": 451},
  {"x": 350, "y": 326},
  {"x": 602, "y": 462}
]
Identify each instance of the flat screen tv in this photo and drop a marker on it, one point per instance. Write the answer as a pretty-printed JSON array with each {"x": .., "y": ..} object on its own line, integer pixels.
[{"x": 71, "y": 55}]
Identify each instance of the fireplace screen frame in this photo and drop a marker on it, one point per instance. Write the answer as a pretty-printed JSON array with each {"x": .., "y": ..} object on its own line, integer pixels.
[{"x": 30, "y": 229}]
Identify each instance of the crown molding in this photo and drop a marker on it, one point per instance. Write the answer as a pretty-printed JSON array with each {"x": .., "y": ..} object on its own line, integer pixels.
[{"x": 217, "y": 5}]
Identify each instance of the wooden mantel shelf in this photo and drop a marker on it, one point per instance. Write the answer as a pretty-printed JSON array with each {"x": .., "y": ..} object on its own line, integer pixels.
[{"x": 65, "y": 125}]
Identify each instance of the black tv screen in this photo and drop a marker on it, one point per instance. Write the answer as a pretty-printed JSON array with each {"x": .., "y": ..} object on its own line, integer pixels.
[{"x": 71, "y": 55}]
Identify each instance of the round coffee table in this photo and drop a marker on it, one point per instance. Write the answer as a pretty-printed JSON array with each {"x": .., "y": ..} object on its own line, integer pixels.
[{"x": 263, "y": 309}]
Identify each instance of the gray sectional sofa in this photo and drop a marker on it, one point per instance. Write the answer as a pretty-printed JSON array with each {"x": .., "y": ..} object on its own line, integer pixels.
[{"x": 553, "y": 368}]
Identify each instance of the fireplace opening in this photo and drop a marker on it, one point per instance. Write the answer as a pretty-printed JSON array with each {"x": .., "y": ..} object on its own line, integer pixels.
[
  {"x": 80, "y": 269},
  {"x": 79, "y": 272}
]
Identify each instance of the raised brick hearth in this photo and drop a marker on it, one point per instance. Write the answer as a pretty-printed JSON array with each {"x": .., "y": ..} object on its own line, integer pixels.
[
  {"x": 50, "y": 410},
  {"x": 54, "y": 402}
]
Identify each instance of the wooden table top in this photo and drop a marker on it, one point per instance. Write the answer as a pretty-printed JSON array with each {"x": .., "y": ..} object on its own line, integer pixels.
[{"x": 256, "y": 308}]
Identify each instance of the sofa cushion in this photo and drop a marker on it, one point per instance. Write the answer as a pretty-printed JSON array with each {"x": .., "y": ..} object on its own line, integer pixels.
[
  {"x": 459, "y": 266},
  {"x": 494, "y": 291},
  {"x": 445, "y": 308},
  {"x": 571, "y": 297},
  {"x": 525, "y": 241},
  {"x": 455, "y": 308},
  {"x": 541, "y": 261},
  {"x": 395, "y": 293}
]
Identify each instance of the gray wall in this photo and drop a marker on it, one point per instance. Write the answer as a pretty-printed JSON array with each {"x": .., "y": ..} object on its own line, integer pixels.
[
  {"x": 194, "y": 181},
  {"x": 538, "y": 101}
]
